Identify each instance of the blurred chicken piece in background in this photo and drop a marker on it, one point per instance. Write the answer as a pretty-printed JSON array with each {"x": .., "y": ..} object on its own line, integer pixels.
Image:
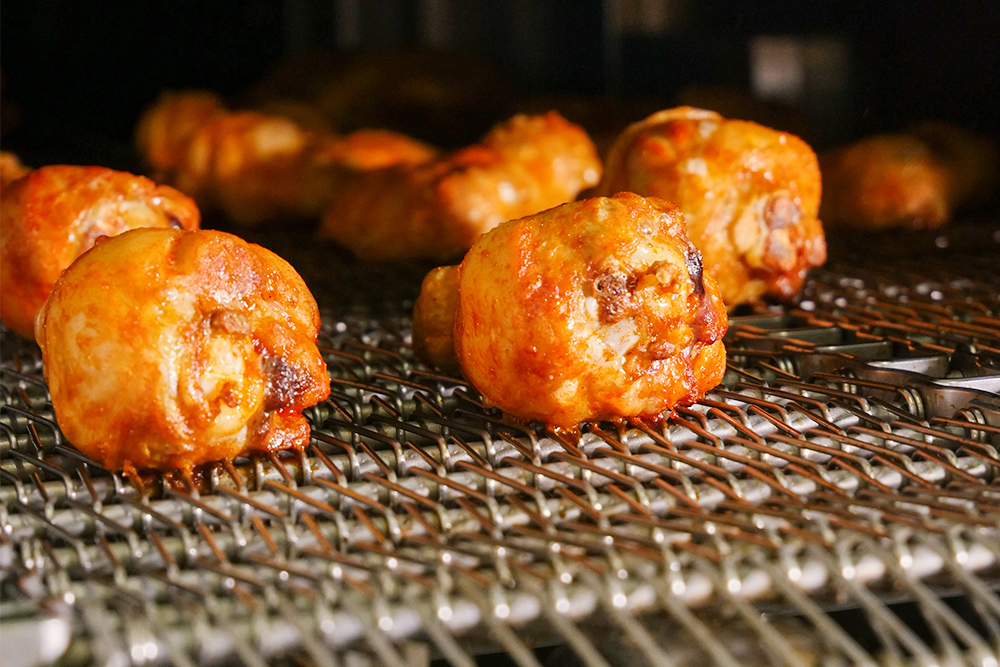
[{"x": 446, "y": 98}]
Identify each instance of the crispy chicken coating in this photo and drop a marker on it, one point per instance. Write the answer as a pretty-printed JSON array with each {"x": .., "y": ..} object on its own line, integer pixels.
[
  {"x": 11, "y": 169},
  {"x": 434, "y": 318},
  {"x": 51, "y": 216},
  {"x": 166, "y": 349},
  {"x": 885, "y": 181},
  {"x": 438, "y": 209},
  {"x": 255, "y": 167},
  {"x": 591, "y": 310},
  {"x": 750, "y": 195}
]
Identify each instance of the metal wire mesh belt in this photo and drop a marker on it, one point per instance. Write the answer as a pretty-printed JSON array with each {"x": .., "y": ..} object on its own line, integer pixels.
[{"x": 835, "y": 501}]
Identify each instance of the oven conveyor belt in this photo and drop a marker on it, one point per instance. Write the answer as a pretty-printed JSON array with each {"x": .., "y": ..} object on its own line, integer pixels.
[{"x": 834, "y": 501}]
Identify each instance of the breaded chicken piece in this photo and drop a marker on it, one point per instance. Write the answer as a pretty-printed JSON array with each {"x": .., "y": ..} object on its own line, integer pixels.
[
  {"x": 258, "y": 168},
  {"x": 592, "y": 310},
  {"x": 166, "y": 349},
  {"x": 253, "y": 168},
  {"x": 166, "y": 127},
  {"x": 51, "y": 216},
  {"x": 916, "y": 180},
  {"x": 885, "y": 181},
  {"x": 438, "y": 209},
  {"x": 750, "y": 195},
  {"x": 434, "y": 318},
  {"x": 11, "y": 169}
]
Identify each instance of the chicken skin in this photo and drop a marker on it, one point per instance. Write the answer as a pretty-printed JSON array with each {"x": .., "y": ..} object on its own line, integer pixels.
[
  {"x": 914, "y": 180},
  {"x": 11, "y": 169},
  {"x": 438, "y": 209},
  {"x": 591, "y": 310},
  {"x": 51, "y": 216},
  {"x": 165, "y": 349},
  {"x": 750, "y": 195},
  {"x": 257, "y": 168}
]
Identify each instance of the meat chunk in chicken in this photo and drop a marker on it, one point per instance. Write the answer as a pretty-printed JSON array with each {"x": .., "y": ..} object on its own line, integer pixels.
[
  {"x": 750, "y": 195},
  {"x": 165, "y": 349},
  {"x": 436, "y": 210},
  {"x": 591, "y": 310},
  {"x": 53, "y": 214}
]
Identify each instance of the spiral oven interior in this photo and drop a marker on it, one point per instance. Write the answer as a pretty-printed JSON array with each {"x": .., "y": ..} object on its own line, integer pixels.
[{"x": 835, "y": 500}]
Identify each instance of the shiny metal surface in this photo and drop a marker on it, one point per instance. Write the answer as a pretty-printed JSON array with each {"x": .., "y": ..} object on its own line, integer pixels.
[{"x": 834, "y": 501}]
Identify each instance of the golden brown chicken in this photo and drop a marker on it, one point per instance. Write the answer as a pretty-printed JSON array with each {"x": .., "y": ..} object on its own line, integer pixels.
[
  {"x": 166, "y": 127},
  {"x": 254, "y": 167},
  {"x": 916, "y": 180},
  {"x": 251, "y": 167},
  {"x": 434, "y": 318},
  {"x": 750, "y": 195},
  {"x": 885, "y": 181},
  {"x": 166, "y": 348},
  {"x": 591, "y": 310},
  {"x": 258, "y": 168},
  {"x": 438, "y": 209},
  {"x": 55, "y": 213},
  {"x": 11, "y": 169},
  {"x": 364, "y": 150}
]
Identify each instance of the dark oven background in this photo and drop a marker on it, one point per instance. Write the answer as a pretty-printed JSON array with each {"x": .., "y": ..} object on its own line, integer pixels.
[{"x": 76, "y": 75}]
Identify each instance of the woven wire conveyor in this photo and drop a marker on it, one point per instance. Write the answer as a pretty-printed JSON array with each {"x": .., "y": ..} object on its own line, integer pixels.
[{"x": 834, "y": 501}]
